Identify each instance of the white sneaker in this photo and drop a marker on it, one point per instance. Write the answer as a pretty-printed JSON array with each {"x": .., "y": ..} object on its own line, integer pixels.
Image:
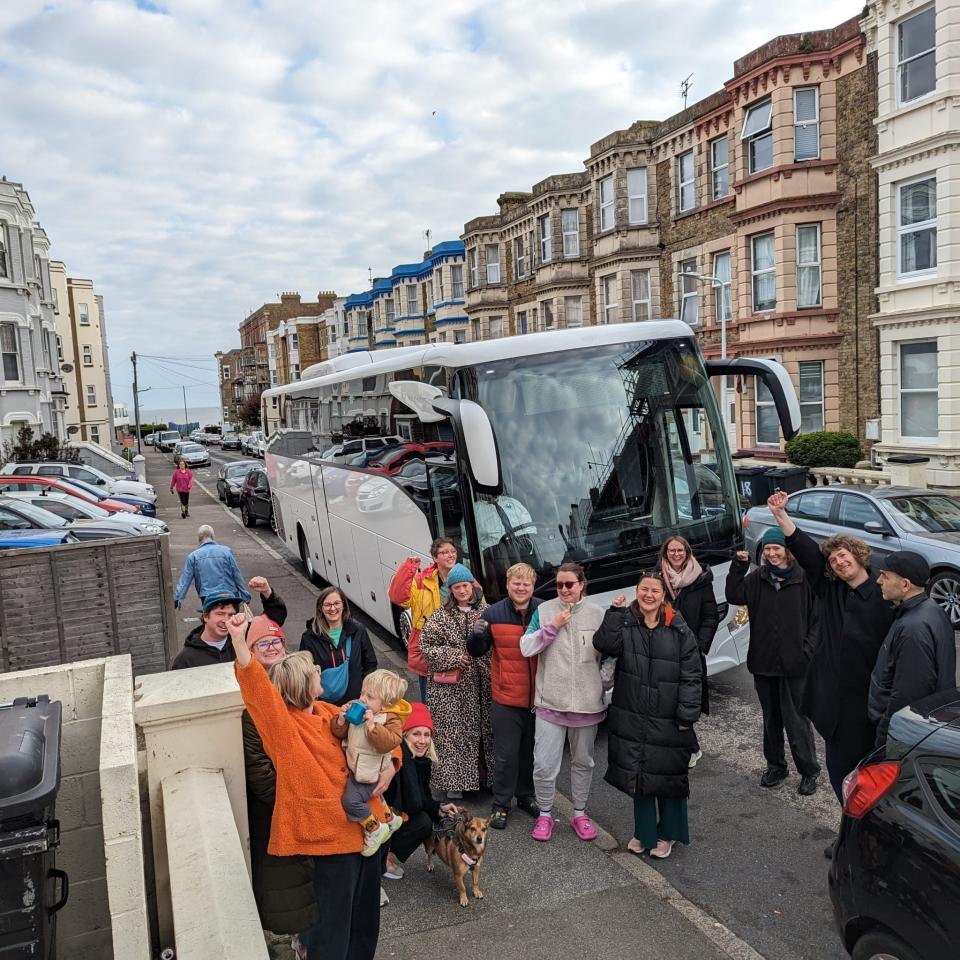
[
  {"x": 395, "y": 823},
  {"x": 394, "y": 870},
  {"x": 384, "y": 899},
  {"x": 373, "y": 840},
  {"x": 694, "y": 757}
]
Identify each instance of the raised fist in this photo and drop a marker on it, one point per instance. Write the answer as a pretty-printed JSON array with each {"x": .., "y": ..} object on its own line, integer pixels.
[
  {"x": 743, "y": 555},
  {"x": 619, "y": 602},
  {"x": 259, "y": 585},
  {"x": 777, "y": 501}
]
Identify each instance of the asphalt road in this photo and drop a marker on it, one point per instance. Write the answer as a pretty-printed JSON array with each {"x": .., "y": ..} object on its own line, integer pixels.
[{"x": 751, "y": 884}]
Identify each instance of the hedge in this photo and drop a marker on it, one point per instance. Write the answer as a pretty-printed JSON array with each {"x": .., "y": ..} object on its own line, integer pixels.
[{"x": 824, "y": 449}]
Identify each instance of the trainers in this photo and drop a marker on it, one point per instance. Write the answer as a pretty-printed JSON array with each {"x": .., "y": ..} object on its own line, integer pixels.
[
  {"x": 529, "y": 806},
  {"x": 773, "y": 777},
  {"x": 583, "y": 827},
  {"x": 544, "y": 828},
  {"x": 394, "y": 869},
  {"x": 635, "y": 847},
  {"x": 384, "y": 899},
  {"x": 394, "y": 823},
  {"x": 498, "y": 818},
  {"x": 662, "y": 850},
  {"x": 694, "y": 757},
  {"x": 808, "y": 785},
  {"x": 374, "y": 839}
]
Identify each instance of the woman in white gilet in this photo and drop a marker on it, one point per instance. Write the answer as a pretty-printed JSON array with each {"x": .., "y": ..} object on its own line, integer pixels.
[{"x": 568, "y": 699}]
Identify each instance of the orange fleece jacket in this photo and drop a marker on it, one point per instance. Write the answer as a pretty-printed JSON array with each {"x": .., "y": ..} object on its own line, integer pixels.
[{"x": 308, "y": 817}]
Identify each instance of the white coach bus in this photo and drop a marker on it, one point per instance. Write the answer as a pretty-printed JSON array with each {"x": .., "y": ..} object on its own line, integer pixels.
[{"x": 593, "y": 444}]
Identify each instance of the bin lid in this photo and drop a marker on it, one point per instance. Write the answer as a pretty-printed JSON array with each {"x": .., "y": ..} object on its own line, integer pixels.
[
  {"x": 750, "y": 471},
  {"x": 29, "y": 756},
  {"x": 789, "y": 471}
]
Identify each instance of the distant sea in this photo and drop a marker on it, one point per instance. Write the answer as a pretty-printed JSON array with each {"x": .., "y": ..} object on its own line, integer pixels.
[{"x": 202, "y": 415}]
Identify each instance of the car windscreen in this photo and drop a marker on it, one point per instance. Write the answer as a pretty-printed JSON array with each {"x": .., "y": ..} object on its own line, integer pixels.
[
  {"x": 85, "y": 487},
  {"x": 925, "y": 513},
  {"x": 238, "y": 469},
  {"x": 192, "y": 448}
]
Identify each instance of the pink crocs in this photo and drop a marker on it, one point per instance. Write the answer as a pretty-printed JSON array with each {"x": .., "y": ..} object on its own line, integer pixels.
[
  {"x": 543, "y": 829},
  {"x": 583, "y": 827}
]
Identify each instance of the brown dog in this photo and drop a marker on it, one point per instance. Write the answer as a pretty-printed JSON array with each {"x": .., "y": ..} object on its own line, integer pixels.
[{"x": 460, "y": 844}]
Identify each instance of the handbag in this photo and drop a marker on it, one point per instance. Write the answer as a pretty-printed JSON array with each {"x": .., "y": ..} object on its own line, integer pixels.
[
  {"x": 335, "y": 680},
  {"x": 446, "y": 676}
]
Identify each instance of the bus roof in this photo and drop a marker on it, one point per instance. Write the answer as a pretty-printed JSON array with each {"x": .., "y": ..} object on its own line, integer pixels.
[{"x": 365, "y": 363}]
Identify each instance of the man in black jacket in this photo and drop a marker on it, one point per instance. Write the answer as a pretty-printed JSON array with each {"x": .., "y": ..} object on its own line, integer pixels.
[
  {"x": 855, "y": 619},
  {"x": 919, "y": 654},
  {"x": 210, "y": 642}
]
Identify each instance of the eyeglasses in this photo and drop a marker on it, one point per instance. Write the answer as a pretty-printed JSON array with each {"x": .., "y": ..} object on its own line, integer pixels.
[
  {"x": 267, "y": 644},
  {"x": 567, "y": 584},
  {"x": 679, "y": 550}
]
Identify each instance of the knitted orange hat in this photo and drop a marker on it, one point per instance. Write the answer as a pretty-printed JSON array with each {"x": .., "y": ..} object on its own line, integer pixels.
[{"x": 262, "y": 628}]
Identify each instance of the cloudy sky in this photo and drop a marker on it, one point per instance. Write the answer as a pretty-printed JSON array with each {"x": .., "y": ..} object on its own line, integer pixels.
[{"x": 196, "y": 157}]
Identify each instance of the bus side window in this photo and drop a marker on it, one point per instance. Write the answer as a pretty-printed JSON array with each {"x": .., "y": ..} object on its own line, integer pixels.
[{"x": 445, "y": 505}]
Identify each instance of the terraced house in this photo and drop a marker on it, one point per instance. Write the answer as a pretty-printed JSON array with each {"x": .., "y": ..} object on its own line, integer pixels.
[{"x": 750, "y": 215}]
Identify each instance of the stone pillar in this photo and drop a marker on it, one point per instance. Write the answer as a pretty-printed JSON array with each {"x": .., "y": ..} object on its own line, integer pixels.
[{"x": 907, "y": 470}]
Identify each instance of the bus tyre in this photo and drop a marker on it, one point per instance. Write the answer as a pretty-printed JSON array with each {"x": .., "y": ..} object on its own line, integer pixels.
[{"x": 305, "y": 557}]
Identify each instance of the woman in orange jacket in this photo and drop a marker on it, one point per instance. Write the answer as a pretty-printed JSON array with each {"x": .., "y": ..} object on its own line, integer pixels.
[{"x": 308, "y": 817}]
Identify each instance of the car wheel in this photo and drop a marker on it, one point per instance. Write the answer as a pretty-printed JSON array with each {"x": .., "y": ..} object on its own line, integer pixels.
[
  {"x": 246, "y": 516},
  {"x": 881, "y": 945},
  {"x": 944, "y": 590}
]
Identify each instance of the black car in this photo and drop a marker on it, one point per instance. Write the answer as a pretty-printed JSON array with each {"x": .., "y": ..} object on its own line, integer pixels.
[
  {"x": 230, "y": 479},
  {"x": 895, "y": 874},
  {"x": 255, "y": 501},
  {"x": 231, "y": 441}
]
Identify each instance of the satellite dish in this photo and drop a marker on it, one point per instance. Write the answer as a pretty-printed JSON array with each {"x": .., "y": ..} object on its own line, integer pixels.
[{"x": 66, "y": 367}]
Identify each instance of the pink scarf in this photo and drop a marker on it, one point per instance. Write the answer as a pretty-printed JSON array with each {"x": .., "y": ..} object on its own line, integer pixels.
[{"x": 678, "y": 579}]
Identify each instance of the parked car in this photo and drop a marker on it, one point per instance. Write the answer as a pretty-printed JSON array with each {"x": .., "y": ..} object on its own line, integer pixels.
[
  {"x": 887, "y": 519},
  {"x": 147, "y": 507},
  {"x": 122, "y": 485},
  {"x": 256, "y": 504},
  {"x": 167, "y": 440},
  {"x": 389, "y": 462},
  {"x": 150, "y": 439},
  {"x": 255, "y": 444},
  {"x": 230, "y": 441},
  {"x": 194, "y": 454},
  {"x": 21, "y": 514},
  {"x": 895, "y": 874},
  {"x": 355, "y": 446},
  {"x": 69, "y": 507},
  {"x": 12, "y": 484},
  {"x": 230, "y": 479},
  {"x": 19, "y": 539}
]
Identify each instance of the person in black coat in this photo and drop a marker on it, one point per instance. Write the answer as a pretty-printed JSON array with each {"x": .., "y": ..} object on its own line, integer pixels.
[
  {"x": 656, "y": 701},
  {"x": 784, "y": 633},
  {"x": 327, "y": 638},
  {"x": 854, "y": 620}
]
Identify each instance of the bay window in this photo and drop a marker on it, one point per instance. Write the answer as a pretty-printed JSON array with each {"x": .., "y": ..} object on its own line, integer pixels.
[
  {"x": 637, "y": 195},
  {"x": 764, "y": 272},
  {"x": 808, "y": 266}
]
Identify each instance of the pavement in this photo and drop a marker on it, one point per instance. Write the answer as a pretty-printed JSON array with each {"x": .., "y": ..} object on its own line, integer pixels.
[{"x": 752, "y": 884}]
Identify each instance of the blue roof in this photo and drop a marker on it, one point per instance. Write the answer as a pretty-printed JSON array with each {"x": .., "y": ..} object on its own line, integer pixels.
[
  {"x": 408, "y": 271},
  {"x": 359, "y": 300}
]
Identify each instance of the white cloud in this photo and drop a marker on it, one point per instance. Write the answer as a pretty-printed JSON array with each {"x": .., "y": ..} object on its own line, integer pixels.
[{"x": 195, "y": 162}]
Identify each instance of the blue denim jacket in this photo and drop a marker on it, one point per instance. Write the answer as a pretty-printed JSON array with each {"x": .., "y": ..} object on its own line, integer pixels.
[{"x": 211, "y": 568}]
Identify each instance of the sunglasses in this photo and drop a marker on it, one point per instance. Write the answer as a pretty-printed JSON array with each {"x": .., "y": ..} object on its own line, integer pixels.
[
  {"x": 267, "y": 644},
  {"x": 567, "y": 584}
]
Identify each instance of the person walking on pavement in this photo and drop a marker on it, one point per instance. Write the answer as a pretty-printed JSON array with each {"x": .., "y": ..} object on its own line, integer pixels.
[
  {"x": 854, "y": 619},
  {"x": 211, "y": 568},
  {"x": 210, "y": 642},
  {"x": 919, "y": 654},
  {"x": 513, "y": 679},
  {"x": 656, "y": 701},
  {"x": 458, "y": 689},
  {"x": 181, "y": 483},
  {"x": 422, "y": 592},
  {"x": 340, "y": 647},
  {"x": 784, "y": 631},
  {"x": 690, "y": 593},
  {"x": 568, "y": 697}
]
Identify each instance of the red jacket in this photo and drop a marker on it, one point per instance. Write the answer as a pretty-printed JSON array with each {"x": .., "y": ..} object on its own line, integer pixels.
[{"x": 513, "y": 676}]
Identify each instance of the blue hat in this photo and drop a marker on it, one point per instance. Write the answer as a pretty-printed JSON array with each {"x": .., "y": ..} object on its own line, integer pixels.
[
  {"x": 221, "y": 596},
  {"x": 773, "y": 535},
  {"x": 459, "y": 574}
]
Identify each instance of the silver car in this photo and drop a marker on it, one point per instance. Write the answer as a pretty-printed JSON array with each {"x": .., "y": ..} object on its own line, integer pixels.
[
  {"x": 193, "y": 454},
  {"x": 887, "y": 519}
]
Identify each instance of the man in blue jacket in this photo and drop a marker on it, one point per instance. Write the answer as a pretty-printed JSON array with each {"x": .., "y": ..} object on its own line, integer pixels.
[
  {"x": 919, "y": 655},
  {"x": 211, "y": 568}
]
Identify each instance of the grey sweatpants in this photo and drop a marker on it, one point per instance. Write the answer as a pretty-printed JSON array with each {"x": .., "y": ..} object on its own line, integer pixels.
[
  {"x": 548, "y": 756},
  {"x": 356, "y": 799}
]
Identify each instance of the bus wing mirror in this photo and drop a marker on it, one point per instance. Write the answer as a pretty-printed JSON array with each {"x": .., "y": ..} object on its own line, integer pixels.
[
  {"x": 775, "y": 378},
  {"x": 419, "y": 398},
  {"x": 476, "y": 440}
]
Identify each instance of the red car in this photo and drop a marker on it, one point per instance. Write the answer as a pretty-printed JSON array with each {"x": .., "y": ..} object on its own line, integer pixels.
[
  {"x": 33, "y": 483},
  {"x": 393, "y": 461}
]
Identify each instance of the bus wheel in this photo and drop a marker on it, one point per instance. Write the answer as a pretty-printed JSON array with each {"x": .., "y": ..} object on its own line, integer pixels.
[{"x": 305, "y": 557}]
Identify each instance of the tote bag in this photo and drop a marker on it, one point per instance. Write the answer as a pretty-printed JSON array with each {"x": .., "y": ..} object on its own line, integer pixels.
[{"x": 335, "y": 680}]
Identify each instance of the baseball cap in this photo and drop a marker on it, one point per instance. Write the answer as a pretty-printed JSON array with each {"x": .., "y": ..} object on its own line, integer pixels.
[
  {"x": 909, "y": 565},
  {"x": 221, "y": 596}
]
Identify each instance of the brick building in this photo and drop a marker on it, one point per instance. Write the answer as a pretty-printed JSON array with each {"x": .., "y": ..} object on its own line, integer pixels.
[{"x": 231, "y": 383}]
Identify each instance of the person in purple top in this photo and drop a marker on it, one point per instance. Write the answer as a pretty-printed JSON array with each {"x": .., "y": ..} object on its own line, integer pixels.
[{"x": 568, "y": 699}]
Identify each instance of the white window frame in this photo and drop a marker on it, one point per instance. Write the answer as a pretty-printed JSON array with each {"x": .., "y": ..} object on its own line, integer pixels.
[
  {"x": 519, "y": 257},
  {"x": 15, "y": 353},
  {"x": 923, "y": 53},
  {"x": 641, "y": 306},
  {"x": 609, "y": 297},
  {"x": 87, "y": 355},
  {"x": 690, "y": 183},
  {"x": 567, "y": 303},
  {"x": 913, "y": 391},
  {"x": 83, "y": 314},
  {"x": 806, "y": 404},
  {"x": 94, "y": 433},
  {"x": 607, "y": 198},
  {"x": 761, "y": 133},
  {"x": 492, "y": 266},
  {"x": 723, "y": 292},
  {"x": 91, "y": 395},
  {"x": 916, "y": 227},
  {"x": 548, "y": 315},
  {"x": 60, "y": 350},
  {"x": 754, "y": 273},
  {"x": 637, "y": 195},
  {"x": 413, "y": 304},
  {"x": 294, "y": 342},
  {"x": 472, "y": 259},
  {"x": 719, "y": 168},
  {"x": 495, "y": 332},
  {"x": 811, "y": 265},
  {"x": 689, "y": 293},
  {"x": 571, "y": 249},
  {"x": 804, "y": 124},
  {"x": 456, "y": 281},
  {"x": 757, "y": 403},
  {"x": 438, "y": 286},
  {"x": 546, "y": 238}
]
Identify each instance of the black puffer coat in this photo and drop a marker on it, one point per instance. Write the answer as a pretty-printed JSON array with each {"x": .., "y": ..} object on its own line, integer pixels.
[
  {"x": 363, "y": 659},
  {"x": 656, "y": 689}
]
